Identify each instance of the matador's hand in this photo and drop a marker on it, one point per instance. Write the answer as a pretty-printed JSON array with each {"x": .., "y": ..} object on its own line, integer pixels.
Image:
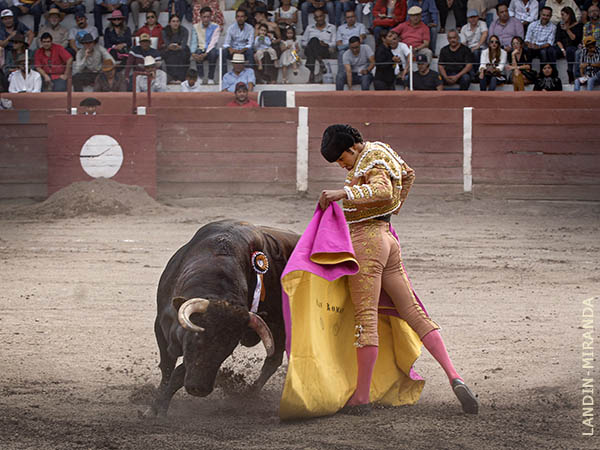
[{"x": 329, "y": 196}]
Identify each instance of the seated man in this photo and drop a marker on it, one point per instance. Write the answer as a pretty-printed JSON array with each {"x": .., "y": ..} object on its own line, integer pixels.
[
  {"x": 239, "y": 73},
  {"x": 9, "y": 26},
  {"x": 81, "y": 28},
  {"x": 456, "y": 62},
  {"x": 525, "y": 11},
  {"x": 158, "y": 78},
  {"x": 60, "y": 35},
  {"x": 205, "y": 37},
  {"x": 107, "y": 7},
  {"x": 241, "y": 97},
  {"x": 239, "y": 39},
  {"x": 191, "y": 83},
  {"x": 415, "y": 33},
  {"x": 310, "y": 6},
  {"x": 540, "y": 38},
  {"x": 33, "y": 7},
  {"x": 88, "y": 62},
  {"x": 318, "y": 41},
  {"x": 53, "y": 63},
  {"x": 506, "y": 27},
  {"x": 135, "y": 60},
  {"x": 346, "y": 31},
  {"x": 425, "y": 79},
  {"x": 431, "y": 17},
  {"x": 590, "y": 65},
  {"x": 19, "y": 81},
  {"x": 359, "y": 61},
  {"x": 69, "y": 6},
  {"x": 474, "y": 35},
  {"x": 110, "y": 80}
]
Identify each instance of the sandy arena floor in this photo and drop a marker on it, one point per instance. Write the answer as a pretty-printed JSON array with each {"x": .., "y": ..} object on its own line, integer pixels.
[{"x": 505, "y": 279}]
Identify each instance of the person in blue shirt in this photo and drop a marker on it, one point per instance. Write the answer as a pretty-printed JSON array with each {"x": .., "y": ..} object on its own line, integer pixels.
[
  {"x": 238, "y": 74},
  {"x": 239, "y": 39}
]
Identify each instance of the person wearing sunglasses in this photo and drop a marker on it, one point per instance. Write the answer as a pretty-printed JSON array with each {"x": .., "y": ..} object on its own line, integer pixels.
[
  {"x": 107, "y": 7},
  {"x": 491, "y": 67}
]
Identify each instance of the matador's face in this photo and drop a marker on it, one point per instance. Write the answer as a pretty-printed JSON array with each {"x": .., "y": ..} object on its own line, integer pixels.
[{"x": 348, "y": 159}]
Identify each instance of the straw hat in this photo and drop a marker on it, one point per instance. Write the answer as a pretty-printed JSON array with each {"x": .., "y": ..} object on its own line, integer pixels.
[{"x": 56, "y": 11}]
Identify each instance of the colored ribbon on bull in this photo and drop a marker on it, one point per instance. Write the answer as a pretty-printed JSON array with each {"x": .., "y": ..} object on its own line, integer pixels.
[{"x": 260, "y": 264}]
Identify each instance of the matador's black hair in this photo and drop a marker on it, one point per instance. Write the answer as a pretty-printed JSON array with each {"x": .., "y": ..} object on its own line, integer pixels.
[{"x": 337, "y": 139}]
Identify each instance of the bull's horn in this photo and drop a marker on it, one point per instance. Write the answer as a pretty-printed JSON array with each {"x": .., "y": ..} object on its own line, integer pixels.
[
  {"x": 193, "y": 305},
  {"x": 263, "y": 331}
]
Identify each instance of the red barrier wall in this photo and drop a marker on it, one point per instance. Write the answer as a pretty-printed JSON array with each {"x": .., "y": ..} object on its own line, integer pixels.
[
  {"x": 203, "y": 148},
  {"x": 136, "y": 135}
]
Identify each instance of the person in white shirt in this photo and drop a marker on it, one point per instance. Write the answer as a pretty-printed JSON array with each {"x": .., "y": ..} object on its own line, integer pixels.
[
  {"x": 158, "y": 77},
  {"x": 474, "y": 34},
  {"x": 191, "y": 83},
  {"x": 493, "y": 60},
  {"x": 525, "y": 11},
  {"x": 19, "y": 81}
]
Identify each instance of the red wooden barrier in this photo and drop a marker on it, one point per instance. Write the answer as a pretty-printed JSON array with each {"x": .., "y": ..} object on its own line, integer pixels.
[{"x": 136, "y": 136}]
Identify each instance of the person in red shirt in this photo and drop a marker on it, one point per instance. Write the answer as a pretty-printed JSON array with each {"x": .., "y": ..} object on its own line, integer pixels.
[
  {"x": 415, "y": 33},
  {"x": 153, "y": 28},
  {"x": 386, "y": 15},
  {"x": 241, "y": 97},
  {"x": 53, "y": 63}
]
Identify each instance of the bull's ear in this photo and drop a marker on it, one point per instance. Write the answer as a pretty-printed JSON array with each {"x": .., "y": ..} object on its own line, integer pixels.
[{"x": 177, "y": 302}]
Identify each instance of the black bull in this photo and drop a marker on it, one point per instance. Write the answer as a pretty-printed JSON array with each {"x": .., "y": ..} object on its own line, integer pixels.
[{"x": 215, "y": 268}]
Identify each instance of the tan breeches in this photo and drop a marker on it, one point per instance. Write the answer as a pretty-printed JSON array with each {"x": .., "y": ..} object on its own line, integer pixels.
[{"x": 378, "y": 254}]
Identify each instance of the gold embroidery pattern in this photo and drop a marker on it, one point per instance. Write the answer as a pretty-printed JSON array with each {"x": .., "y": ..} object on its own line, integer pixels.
[
  {"x": 377, "y": 185},
  {"x": 365, "y": 296}
]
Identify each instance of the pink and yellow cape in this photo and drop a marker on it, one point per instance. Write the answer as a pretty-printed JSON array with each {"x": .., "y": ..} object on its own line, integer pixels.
[{"x": 319, "y": 320}]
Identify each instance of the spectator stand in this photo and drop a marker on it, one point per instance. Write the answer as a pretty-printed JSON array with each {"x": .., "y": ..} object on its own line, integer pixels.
[{"x": 299, "y": 82}]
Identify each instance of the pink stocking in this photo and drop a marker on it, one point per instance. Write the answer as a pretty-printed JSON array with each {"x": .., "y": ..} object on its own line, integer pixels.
[
  {"x": 435, "y": 345},
  {"x": 366, "y": 357}
]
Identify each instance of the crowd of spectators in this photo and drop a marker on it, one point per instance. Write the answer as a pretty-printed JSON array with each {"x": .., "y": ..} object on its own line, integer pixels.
[{"x": 267, "y": 37}]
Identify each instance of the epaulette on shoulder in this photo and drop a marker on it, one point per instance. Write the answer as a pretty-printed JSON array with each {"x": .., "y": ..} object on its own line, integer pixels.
[{"x": 378, "y": 153}]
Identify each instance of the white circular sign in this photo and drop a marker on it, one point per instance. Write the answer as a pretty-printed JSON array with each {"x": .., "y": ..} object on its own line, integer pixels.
[{"x": 101, "y": 156}]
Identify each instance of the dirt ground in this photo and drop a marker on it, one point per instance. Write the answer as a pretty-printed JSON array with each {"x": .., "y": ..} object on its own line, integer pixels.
[{"x": 505, "y": 278}]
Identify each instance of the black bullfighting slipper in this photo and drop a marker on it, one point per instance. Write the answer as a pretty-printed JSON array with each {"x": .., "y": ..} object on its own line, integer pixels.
[
  {"x": 467, "y": 399},
  {"x": 357, "y": 410}
]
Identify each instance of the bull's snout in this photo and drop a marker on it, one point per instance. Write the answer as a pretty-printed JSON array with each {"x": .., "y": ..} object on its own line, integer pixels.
[{"x": 199, "y": 391}]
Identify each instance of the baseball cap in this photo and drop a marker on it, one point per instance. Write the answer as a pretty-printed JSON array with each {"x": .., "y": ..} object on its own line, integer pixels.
[
  {"x": 6, "y": 13},
  {"x": 422, "y": 59},
  {"x": 241, "y": 85},
  {"x": 87, "y": 37},
  {"x": 144, "y": 37},
  {"x": 79, "y": 14},
  {"x": 414, "y": 10},
  {"x": 472, "y": 13}
]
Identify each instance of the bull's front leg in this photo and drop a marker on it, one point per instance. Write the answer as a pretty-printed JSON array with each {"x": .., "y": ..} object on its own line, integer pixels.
[
  {"x": 271, "y": 363},
  {"x": 165, "y": 393}
]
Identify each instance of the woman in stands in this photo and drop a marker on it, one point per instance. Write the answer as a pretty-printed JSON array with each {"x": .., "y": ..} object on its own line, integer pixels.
[
  {"x": 376, "y": 186},
  {"x": 520, "y": 69},
  {"x": 153, "y": 28},
  {"x": 569, "y": 33},
  {"x": 117, "y": 38},
  {"x": 492, "y": 62},
  {"x": 176, "y": 52}
]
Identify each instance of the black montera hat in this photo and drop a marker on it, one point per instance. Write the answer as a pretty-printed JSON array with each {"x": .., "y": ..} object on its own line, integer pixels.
[{"x": 336, "y": 139}]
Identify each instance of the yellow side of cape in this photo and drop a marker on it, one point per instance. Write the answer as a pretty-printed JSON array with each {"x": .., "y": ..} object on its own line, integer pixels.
[{"x": 322, "y": 369}]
